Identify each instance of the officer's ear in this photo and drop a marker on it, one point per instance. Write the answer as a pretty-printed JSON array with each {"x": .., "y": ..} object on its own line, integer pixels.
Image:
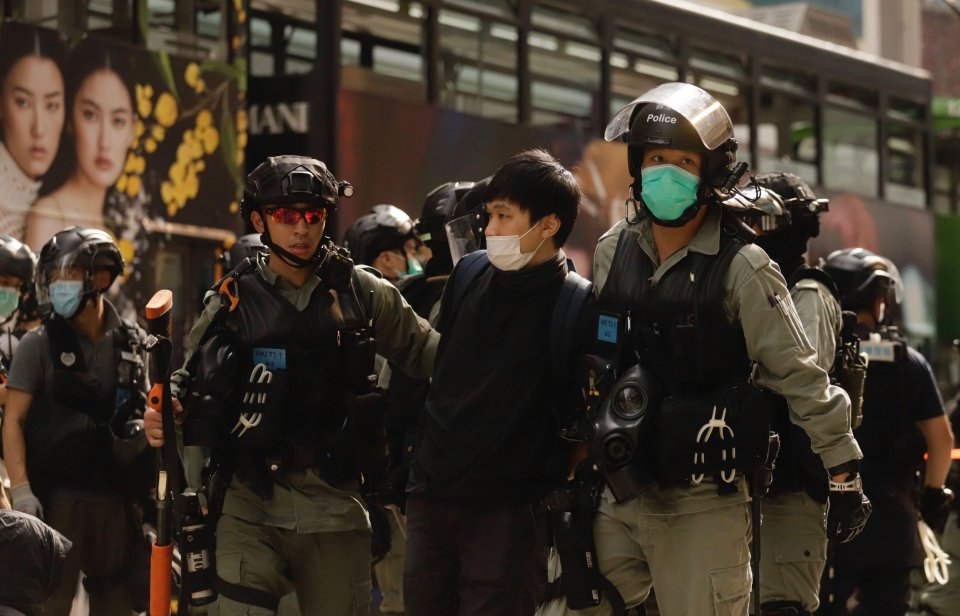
[{"x": 257, "y": 221}]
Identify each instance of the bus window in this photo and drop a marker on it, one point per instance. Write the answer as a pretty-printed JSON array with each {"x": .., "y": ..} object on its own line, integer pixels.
[
  {"x": 630, "y": 78},
  {"x": 850, "y": 152},
  {"x": 905, "y": 165},
  {"x": 786, "y": 139},
  {"x": 565, "y": 70}
]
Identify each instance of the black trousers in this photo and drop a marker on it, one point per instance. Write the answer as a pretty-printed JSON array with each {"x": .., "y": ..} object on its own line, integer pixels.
[{"x": 467, "y": 561}]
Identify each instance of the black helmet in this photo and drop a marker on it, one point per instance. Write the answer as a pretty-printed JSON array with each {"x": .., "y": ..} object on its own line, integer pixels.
[
  {"x": 684, "y": 117},
  {"x": 292, "y": 179},
  {"x": 437, "y": 209},
  {"x": 245, "y": 246},
  {"x": 387, "y": 227},
  {"x": 16, "y": 259},
  {"x": 83, "y": 248},
  {"x": 465, "y": 225},
  {"x": 861, "y": 276},
  {"x": 800, "y": 203}
]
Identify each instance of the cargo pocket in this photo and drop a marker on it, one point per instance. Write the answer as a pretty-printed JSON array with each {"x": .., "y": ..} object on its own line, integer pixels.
[
  {"x": 361, "y": 590},
  {"x": 230, "y": 569},
  {"x": 731, "y": 590}
]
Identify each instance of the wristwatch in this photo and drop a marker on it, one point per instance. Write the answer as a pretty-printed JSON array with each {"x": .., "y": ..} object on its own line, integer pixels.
[{"x": 853, "y": 482}]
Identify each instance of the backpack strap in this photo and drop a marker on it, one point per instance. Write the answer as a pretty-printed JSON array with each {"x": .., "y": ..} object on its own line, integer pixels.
[
  {"x": 467, "y": 271},
  {"x": 563, "y": 327}
]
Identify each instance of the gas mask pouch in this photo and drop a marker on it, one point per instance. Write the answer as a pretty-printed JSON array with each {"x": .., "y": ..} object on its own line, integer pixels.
[{"x": 716, "y": 434}]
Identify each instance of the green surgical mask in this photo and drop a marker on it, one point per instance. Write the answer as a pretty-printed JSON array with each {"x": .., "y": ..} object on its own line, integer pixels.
[
  {"x": 9, "y": 301},
  {"x": 668, "y": 192}
]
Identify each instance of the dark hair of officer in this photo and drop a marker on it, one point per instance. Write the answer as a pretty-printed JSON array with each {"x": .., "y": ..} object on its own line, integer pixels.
[
  {"x": 386, "y": 228},
  {"x": 86, "y": 249},
  {"x": 862, "y": 277},
  {"x": 291, "y": 180},
  {"x": 537, "y": 183}
]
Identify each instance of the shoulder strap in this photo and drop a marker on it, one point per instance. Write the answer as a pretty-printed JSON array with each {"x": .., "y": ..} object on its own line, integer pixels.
[
  {"x": 467, "y": 271},
  {"x": 814, "y": 273},
  {"x": 563, "y": 327}
]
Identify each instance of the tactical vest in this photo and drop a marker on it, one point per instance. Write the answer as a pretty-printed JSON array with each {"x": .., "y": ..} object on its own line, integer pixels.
[
  {"x": 709, "y": 421},
  {"x": 294, "y": 366},
  {"x": 892, "y": 445},
  {"x": 677, "y": 328},
  {"x": 68, "y": 435}
]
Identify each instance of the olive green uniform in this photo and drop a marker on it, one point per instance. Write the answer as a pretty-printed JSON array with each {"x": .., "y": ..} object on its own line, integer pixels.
[
  {"x": 793, "y": 536},
  {"x": 312, "y": 537},
  {"x": 691, "y": 543}
]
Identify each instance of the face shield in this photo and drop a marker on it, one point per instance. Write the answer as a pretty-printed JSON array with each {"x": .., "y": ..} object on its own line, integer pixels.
[
  {"x": 64, "y": 285},
  {"x": 465, "y": 234},
  {"x": 764, "y": 211},
  {"x": 705, "y": 113}
]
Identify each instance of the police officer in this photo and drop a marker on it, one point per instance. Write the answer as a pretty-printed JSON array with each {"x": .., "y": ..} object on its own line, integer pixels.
[
  {"x": 684, "y": 292},
  {"x": 278, "y": 381},
  {"x": 902, "y": 418},
  {"x": 17, "y": 265},
  {"x": 385, "y": 240},
  {"x": 74, "y": 419},
  {"x": 785, "y": 215}
]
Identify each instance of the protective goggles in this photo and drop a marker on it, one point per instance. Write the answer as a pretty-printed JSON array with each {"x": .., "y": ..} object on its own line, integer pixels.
[{"x": 291, "y": 215}]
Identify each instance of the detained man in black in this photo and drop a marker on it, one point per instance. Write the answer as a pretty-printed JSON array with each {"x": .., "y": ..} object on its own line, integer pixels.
[{"x": 488, "y": 441}]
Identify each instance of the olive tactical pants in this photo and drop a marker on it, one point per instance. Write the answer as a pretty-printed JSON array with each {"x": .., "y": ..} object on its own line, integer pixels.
[
  {"x": 698, "y": 561},
  {"x": 330, "y": 572},
  {"x": 793, "y": 549}
]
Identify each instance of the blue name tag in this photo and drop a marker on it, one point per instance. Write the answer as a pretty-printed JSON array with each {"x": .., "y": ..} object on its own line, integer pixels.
[
  {"x": 607, "y": 328},
  {"x": 273, "y": 359}
]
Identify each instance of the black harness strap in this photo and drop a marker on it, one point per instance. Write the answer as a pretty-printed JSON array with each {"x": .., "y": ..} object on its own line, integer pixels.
[{"x": 247, "y": 595}]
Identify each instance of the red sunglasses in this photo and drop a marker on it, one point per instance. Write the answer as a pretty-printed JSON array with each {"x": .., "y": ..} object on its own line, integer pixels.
[{"x": 292, "y": 215}]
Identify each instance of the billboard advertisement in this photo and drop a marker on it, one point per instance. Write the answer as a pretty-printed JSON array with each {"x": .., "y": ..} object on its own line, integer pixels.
[{"x": 142, "y": 144}]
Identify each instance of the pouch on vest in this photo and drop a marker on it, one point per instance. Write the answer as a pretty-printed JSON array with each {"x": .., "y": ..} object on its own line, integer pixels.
[
  {"x": 261, "y": 400},
  {"x": 714, "y": 434}
]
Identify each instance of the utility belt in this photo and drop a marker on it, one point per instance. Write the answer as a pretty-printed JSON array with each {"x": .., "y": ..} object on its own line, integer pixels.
[{"x": 645, "y": 439}]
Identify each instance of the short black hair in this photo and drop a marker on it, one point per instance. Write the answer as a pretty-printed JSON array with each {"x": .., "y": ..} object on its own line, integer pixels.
[{"x": 537, "y": 183}]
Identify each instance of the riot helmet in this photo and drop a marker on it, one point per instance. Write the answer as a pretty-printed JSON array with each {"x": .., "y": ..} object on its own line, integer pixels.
[
  {"x": 787, "y": 213},
  {"x": 431, "y": 228},
  {"x": 863, "y": 276},
  {"x": 290, "y": 180},
  {"x": 626, "y": 417},
  {"x": 16, "y": 260},
  {"x": 385, "y": 229},
  {"x": 465, "y": 225},
  {"x": 679, "y": 116},
  {"x": 245, "y": 246},
  {"x": 68, "y": 262}
]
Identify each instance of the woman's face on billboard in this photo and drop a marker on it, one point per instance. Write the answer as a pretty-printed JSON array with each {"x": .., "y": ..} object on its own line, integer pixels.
[
  {"x": 103, "y": 126},
  {"x": 31, "y": 113}
]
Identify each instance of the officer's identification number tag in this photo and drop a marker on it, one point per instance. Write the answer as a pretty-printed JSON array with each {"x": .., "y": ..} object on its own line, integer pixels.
[
  {"x": 273, "y": 359},
  {"x": 608, "y": 328},
  {"x": 879, "y": 350}
]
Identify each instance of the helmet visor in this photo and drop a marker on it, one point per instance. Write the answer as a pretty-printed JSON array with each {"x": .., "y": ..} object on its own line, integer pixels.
[{"x": 705, "y": 113}]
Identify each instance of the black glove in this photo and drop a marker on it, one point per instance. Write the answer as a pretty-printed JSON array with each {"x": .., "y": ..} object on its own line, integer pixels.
[
  {"x": 935, "y": 507},
  {"x": 848, "y": 509}
]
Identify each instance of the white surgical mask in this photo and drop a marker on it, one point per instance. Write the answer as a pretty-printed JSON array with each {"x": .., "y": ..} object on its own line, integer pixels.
[{"x": 504, "y": 251}]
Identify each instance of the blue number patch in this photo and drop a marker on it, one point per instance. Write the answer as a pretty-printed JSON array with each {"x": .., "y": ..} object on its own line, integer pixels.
[
  {"x": 273, "y": 359},
  {"x": 607, "y": 328}
]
